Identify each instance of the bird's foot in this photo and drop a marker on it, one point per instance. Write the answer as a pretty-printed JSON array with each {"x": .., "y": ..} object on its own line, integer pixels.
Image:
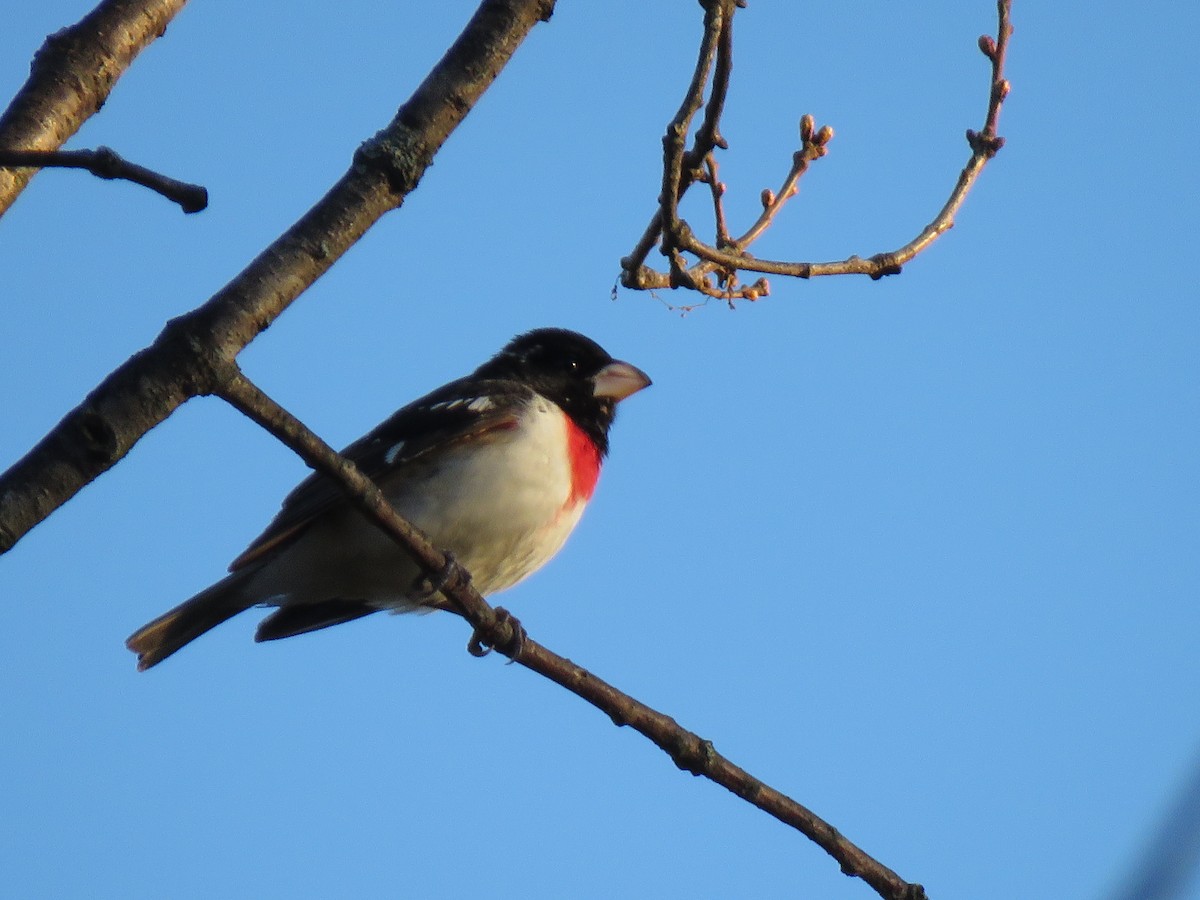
[{"x": 478, "y": 645}]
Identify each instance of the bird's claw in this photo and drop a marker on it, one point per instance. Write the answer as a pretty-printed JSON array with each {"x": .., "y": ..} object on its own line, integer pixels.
[
  {"x": 429, "y": 586},
  {"x": 512, "y": 648}
]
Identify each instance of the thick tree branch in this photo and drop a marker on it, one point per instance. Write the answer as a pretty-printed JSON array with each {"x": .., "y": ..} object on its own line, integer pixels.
[
  {"x": 180, "y": 363},
  {"x": 104, "y": 162},
  {"x": 71, "y": 77},
  {"x": 729, "y": 257},
  {"x": 496, "y": 628}
]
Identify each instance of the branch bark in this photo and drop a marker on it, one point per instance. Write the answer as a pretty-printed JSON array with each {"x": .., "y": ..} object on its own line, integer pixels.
[
  {"x": 180, "y": 363},
  {"x": 71, "y": 77}
]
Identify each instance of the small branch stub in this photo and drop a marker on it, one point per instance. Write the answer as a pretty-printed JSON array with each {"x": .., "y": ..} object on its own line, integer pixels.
[{"x": 103, "y": 162}]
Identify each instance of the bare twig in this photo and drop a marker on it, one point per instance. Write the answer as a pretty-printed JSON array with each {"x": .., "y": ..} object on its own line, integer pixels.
[
  {"x": 496, "y": 628},
  {"x": 104, "y": 162},
  {"x": 73, "y": 74},
  {"x": 717, "y": 188},
  {"x": 813, "y": 145},
  {"x": 727, "y": 258},
  {"x": 146, "y": 389}
]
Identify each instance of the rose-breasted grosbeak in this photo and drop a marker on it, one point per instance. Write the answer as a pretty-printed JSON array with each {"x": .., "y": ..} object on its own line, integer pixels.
[{"x": 495, "y": 467}]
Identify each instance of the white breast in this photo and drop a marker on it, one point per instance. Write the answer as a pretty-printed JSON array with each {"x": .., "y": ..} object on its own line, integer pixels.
[{"x": 503, "y": 508}]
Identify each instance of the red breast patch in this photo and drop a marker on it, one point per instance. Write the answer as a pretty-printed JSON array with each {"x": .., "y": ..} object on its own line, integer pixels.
[{"x": 585, "y": 463}]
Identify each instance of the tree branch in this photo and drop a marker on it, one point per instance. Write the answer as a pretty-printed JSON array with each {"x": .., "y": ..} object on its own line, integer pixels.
[
  {"x": 727, "y": 258},
  {"x": 71, "y": 77},
  {"x": 496, "y": 628},
  {"x": 104, "y": 162},
  {"x": 195, "y": 354},
  {"x": 180, "y": 363}
]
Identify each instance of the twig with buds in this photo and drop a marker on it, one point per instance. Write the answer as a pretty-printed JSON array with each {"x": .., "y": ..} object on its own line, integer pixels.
[{"x": 716, "y": 267}]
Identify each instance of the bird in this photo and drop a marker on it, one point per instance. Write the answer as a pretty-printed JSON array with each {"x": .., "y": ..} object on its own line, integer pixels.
[{"x": 495, "y": 468}]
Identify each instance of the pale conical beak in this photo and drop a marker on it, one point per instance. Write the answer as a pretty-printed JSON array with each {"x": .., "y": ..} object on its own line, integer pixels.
[{"x": 618, "y": 380}]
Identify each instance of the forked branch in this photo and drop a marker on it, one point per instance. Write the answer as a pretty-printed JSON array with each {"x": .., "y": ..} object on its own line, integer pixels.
[
  {"x": 151, "y": 385},
  {"x": 714, "y": 269},
  {"x": 72, "y": 76}
]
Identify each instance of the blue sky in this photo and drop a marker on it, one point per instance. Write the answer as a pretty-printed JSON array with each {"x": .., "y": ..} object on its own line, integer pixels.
[{"x": 922, "y": 552}]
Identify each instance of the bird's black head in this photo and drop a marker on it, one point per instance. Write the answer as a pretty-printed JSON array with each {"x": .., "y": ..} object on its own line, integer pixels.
[{"x": 573, "y": 371}]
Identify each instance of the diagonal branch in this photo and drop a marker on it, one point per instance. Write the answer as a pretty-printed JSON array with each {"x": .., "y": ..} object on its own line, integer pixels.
[
  {"x": 72, "y": 75},
  {"x": 146, "y": 389},
  {"x": 104, "y": 162},
  {"x": 495, "y": 628}
]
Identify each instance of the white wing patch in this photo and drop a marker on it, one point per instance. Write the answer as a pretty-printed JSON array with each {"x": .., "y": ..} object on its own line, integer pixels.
[
  {"x": 393, "y": 453},
  {"x": 475, "y": 404}
]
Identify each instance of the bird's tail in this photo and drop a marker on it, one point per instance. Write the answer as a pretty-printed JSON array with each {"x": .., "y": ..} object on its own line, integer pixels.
[{"x": 157, "y": 640}]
